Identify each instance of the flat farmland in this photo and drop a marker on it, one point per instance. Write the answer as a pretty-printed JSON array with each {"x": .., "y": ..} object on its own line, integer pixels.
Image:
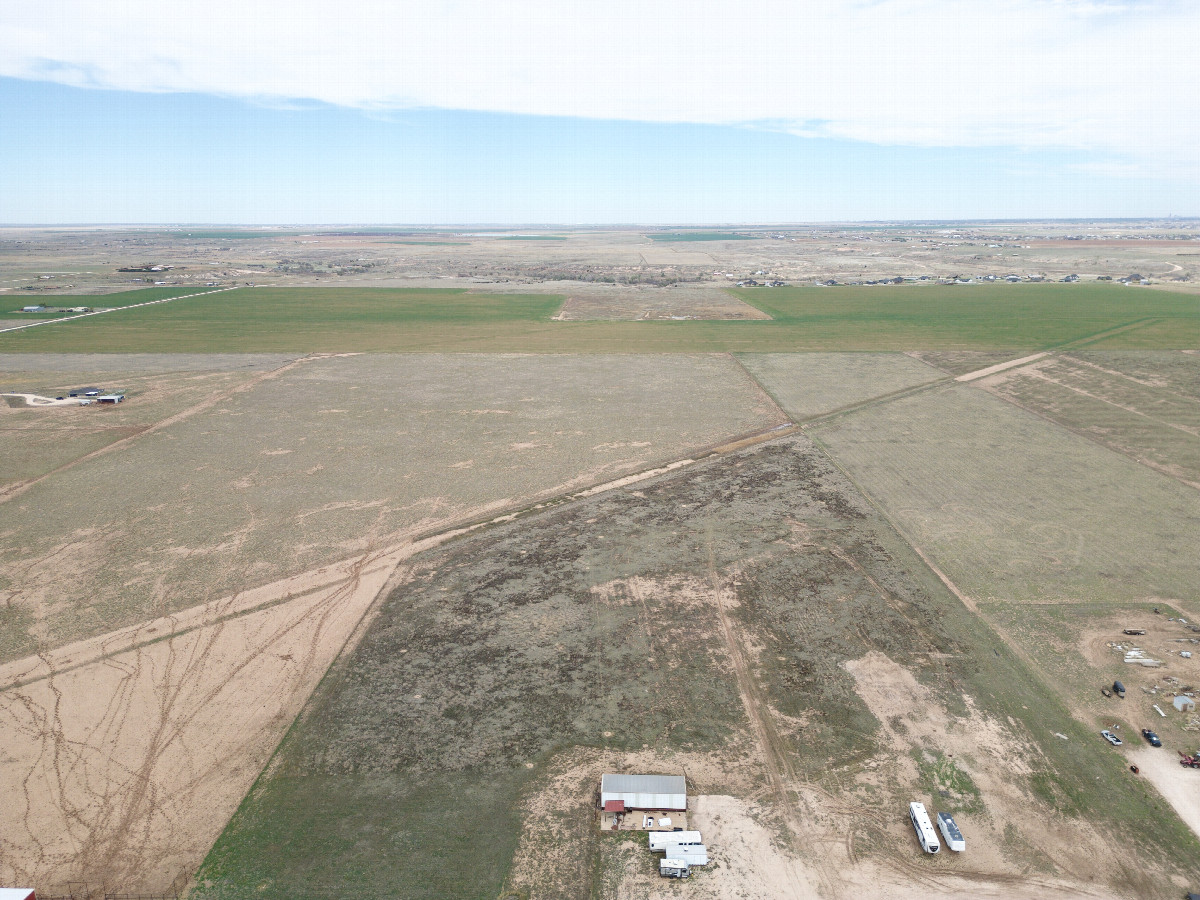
[
  {"x": 902, "y": 318},
  {"x": 331, "y": 457},
  {"x": 628, "y": 302},
  {"x": 980, "y": 316},
  {"x": 1148, "y": 420},
  {"x": 1012, "y": 507},
  {"x": 35, "y": 441},
  {"x": 13, "y": 303},
  {"x": 813, "y": 384},
  {"x": 750, "y": 621}
]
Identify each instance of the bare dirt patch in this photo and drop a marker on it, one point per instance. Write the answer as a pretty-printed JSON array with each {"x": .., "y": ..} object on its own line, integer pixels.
[
  {"x": 679, "y": 302},
  {"x": 127, "y": 754}
]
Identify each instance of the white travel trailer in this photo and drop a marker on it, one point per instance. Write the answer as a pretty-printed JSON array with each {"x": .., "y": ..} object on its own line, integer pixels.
[
  {"x": 949, "y": 829},
  {"x": 924, "y": 828},
  {"x": 673, "y": 868},
  {"x": 692, "y": 854},
  {"x": 660, "y": 840}
]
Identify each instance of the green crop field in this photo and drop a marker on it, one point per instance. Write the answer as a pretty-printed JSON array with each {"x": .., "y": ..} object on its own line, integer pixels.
[
  {"x": 532, "y": 237},
  {"x": 1000, "y": 315},
  {"x": 685, "y": 236},
  {"x": 1021, "y": 317},
  {"x": 11, "y": 303}
]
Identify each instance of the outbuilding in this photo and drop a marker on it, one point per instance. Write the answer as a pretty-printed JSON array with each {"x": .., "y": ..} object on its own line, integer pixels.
[
  {"x": 16, "y": 894},
  {"x": 666, "y": 792},
  {"x": 1184, "y": 704}
]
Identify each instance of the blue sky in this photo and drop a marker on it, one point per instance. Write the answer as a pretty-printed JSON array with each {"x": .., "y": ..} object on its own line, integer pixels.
[
  {"x": 81, "y": 155},
  {"x": 669, "y": 112}
]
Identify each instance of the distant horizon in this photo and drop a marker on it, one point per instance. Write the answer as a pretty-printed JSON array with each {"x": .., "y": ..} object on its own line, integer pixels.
[{"x": 631, "y": 226}]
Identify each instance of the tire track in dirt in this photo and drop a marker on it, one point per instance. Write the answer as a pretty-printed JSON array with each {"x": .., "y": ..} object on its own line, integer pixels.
[
  {"x": 20, "y": 487},
  {"x": 112, "y": 821},
  {"x": 781, "y": 775}
]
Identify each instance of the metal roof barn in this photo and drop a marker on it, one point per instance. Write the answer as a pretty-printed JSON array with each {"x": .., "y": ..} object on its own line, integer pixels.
[{"x": 645, "y": 791}]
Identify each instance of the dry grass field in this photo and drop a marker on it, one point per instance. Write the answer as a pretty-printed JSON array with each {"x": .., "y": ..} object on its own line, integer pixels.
[
  {"x": 458, "y": 586},
  {"x": 1154, "y": 419},
  {"x": 1012, "y": 507},
  {"x": 182, "y": 578},
  {"x": 814, "y": 384},
  {"x": 333, "y": 457},
  {"x": 34, "y": 442},
  {"x": 749, "y": 621}
]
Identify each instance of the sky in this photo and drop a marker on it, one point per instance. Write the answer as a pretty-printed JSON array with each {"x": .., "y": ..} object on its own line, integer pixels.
[{"x": 457, "y": 112}]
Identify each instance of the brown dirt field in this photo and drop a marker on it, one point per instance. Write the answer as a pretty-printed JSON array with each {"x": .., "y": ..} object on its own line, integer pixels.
[
  {"x": 125, "y": 755},
  {"x": 686, "y": 301}
]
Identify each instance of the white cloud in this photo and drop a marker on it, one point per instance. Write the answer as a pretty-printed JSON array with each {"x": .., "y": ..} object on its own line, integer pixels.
[{"x": 1113, "y": 78}]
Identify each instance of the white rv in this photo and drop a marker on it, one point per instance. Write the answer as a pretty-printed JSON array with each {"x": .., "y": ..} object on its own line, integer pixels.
[
  {"x": 949, "y": 829},
  {"x": 660, "y": 840},
  {"x": 923, "y": 827},
  {"x": 692, "y": 854},
  {"x": 673, "y": 868}
]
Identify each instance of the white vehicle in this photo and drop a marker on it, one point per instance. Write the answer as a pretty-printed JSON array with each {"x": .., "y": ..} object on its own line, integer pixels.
[
  {"x": 924, "y": 828},
  {"x": 660, "y": 840},
  {"x": 692, "y": 854},
  {"x": 949, "y": 829},
  {"x": 674, "y": 868}
]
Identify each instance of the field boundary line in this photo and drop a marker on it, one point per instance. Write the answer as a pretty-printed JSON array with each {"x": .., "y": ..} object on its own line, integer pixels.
[
  {"x": 1001, "y": 367},
  {"x": 84, "y": 652},
  {"x": 1067, "y": 354},
  {"x": 101, "y": 312},
  {"x": 733, "y": 355},
  {"x": 1120, "y": 329},
  {"x": 1040, "y": 376},
  {"x": 1092, "y": 439},
  {"x": 20, "y": 487},
  {"x": 802, "y": 423},
  {"x": 253, "y": 599}
]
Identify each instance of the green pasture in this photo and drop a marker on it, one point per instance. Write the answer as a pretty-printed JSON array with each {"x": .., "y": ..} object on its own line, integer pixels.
[
  {"x": 10, "y": 303},
  {"x": 268, "y": 319},
  {"x": 532, "y": 237}
]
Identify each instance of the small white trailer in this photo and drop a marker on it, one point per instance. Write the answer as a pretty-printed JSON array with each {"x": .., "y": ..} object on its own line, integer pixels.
[
  {"x": 674, "y": 868},
  {"x": 693, "y": 854},
  {"x": 949, "y": 829},
  {"x": 660, "y": 840},
  {"x": 923, "y": 827}
]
